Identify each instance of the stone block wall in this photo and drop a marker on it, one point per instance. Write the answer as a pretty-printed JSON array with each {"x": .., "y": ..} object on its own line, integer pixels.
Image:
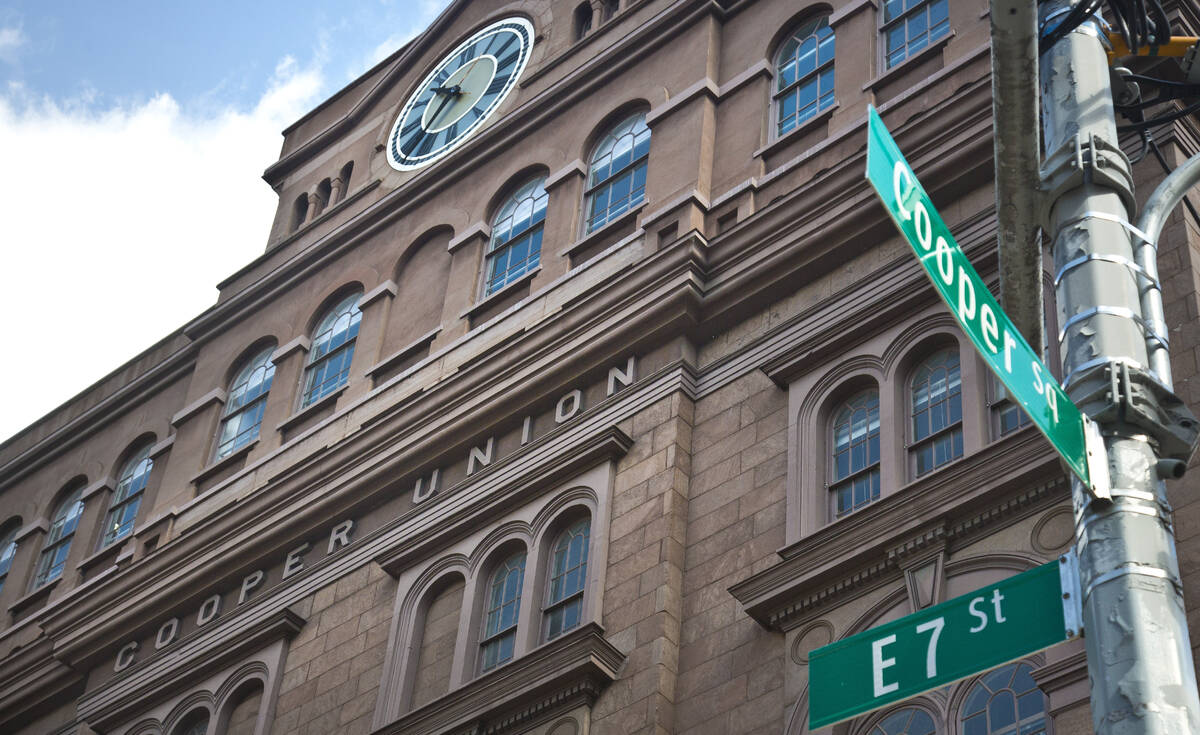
[{"x": 331, "y": 677}]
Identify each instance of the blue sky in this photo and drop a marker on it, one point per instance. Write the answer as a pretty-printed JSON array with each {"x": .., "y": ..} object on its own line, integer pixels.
[{"x": 133, "y": 136}]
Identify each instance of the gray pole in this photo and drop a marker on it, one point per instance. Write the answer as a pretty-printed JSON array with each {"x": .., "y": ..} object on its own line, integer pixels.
[{"x": 1138, "y": 653}]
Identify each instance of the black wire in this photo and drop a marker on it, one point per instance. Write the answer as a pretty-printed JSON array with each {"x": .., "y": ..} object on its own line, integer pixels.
[
  {"x": 1162, "y": 161},
  {"x": 1161, "y": 120}
]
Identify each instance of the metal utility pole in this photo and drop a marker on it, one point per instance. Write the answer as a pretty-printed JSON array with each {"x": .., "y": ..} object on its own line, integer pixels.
[{"x": 1139, "y": 657}]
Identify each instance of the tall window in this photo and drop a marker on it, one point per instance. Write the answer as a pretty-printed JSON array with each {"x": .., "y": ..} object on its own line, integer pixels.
[
  {"x": 58, "y": 540},
  {"x": 911, "y": 25},
  {"x": 1007, "y": 414},
  {"x": 503, "y": 609},
  {"x": 568, "y": 576},
  {"x": 247, "y": 401},
  {"x": 332, "y": 350},
  {"x": 1005, "y": 702},
  {"x": 516, "y": 245},
  {"x": 804, "y": 75},
  {"x": 617, "y": 174},
  {"x": 936, "y": 412},
  {"x": 908, "y": 721},
  {"x": 8, "y": 549},
  {"x": 855, "y": 476},
  {"x": 128, "y": 496},
  {"x": 583, "y": 20}
]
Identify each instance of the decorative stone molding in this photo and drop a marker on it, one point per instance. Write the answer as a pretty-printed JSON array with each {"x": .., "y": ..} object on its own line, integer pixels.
[
  {"x": 479, "y": 231},
  {"x": 388, "y": 288},
  {"x": 549, "y": 681},
  {"x": 216, "y": 395}
]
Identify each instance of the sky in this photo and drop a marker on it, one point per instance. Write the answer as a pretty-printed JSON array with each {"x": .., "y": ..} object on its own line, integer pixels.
[{"x": 133, "y": 137}]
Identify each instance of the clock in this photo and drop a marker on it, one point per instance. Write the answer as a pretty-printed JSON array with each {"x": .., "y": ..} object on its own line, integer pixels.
[{"x": 461, "y": 92}]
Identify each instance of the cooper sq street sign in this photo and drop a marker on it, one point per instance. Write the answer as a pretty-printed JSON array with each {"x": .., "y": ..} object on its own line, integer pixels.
[
  {"x": 1006, "y": 352},
  {"x": 978, "y": 631}
]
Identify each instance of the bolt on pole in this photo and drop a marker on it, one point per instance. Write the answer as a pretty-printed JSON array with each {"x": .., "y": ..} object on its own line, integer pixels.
[{"x": 1138, "y": 653}]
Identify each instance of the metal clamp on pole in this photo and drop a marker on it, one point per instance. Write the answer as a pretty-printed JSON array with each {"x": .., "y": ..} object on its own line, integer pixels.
[
  {"x": 1124, "y": 394},
  {"x": 1085, "y": 161}
]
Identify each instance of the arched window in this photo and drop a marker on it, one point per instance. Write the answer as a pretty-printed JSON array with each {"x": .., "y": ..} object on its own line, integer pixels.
[
  {"x": 617, "y": 174},
  {"x": 1005, "y": 702},
  {"x": 854, "y": 479},
  {"x": 324, "y": 192},
  {"x": 908, "y": 721},
  {"x": 332, "y": 350},
  {"x": 502, "y": 610},
  {"x": 8, "y": 549},
  {"x": 911, "y": 25},
  {"x": 568, "y": 577},
  {"x": 196, "y": 723},
  {"x": 936, "y": 394},
  {"x": 608, "y": 9},
  {"x": 346, "y": 171},
  {"x": 516, "y": 244},
  {"x": 58, "y": 541},
  {"x": 804, "y": 75},
  {"x": 127, "y": 496},
  {"x": 247, "y": 401},
  {"x": 299, "y": 212},
  {"x": 583, "y": 20}
]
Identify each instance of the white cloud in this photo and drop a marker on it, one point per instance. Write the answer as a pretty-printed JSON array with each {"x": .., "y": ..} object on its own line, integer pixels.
[
  {"x": 118, "y": 222},
  {"x": 11, "y": 40}
]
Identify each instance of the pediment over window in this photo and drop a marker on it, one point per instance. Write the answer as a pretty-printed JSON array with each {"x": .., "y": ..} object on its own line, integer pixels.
[{"x": 549, "y": 681}]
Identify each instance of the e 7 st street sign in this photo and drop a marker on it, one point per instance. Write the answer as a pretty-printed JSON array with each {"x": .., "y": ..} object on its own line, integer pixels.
[
  {"x": 941, "y": 644},
  {"x": 1006, "y": 352}
]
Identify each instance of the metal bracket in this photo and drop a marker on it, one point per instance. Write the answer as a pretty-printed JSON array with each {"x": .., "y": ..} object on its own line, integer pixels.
[
  {"x": 1072, "y": 597},
  {"x": 1190, "y": 67},
  {"x": 1094, "y": 161},
  {"x": 1133, "y": 396}
]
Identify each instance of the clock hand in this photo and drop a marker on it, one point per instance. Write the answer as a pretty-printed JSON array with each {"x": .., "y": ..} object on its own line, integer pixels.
[{"x": 446, "y": 100}]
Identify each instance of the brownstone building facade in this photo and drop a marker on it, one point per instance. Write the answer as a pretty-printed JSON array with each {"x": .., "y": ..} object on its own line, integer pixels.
[{"x": 582, "y": 387}]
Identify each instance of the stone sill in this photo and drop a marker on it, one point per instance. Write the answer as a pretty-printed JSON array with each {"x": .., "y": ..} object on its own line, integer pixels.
[
  {"x": 908, "y": 64},
  {"x": 797, "y": 133},
  {"x": 608, "y": 228},
  {"x": 495, "y": 296},
  {"x": 224, "y": 462},
  {"x": 311, "y": 409},
  {"x": 35, "y": 598},
  {"x": 560, "y": 675}
]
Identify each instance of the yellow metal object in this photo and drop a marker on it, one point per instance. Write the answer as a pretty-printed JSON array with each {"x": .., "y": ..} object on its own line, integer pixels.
[{"x": 1177, "y": 46}]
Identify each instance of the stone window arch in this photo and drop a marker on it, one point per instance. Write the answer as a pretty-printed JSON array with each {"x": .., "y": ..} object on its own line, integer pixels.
[
  {"x": 299, "y": 212},
  {"x": 616, "y": 180},
  {"x": 332, "y": 349},
  {"x": 515, "y": 246},
  {"x": 854, "y": 448},
  {"x": 63, "y": 522},
  {"x": 8, "y": 547},
  {"x": 501, "y": 610},
  {"x": 1004, "y": 701},
  {"x": 935, "y": 410},
  {"x": 246, "y": 402},
  {"x": 803, "y": 74},
  {"x": 583, "y": 20},
  {"x": 904, "y": 721},
  {"x": 128, "y": 493},
  {"x": 194, "y": 723}
]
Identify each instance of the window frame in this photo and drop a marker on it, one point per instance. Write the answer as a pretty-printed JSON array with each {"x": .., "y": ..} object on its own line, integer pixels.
[
  {"x": 886, "y": 25},
  {"x": 552, "y": 605},
  {"x": 532, "y": 233},
  {"x": 67, "y": 511},
  {"x": 815, "y": 75},
  {"x": 968, "y": 688},
  {"x": 8, "y": 548},
  {"x": 258, "y": 402},
  {"x": 914, "y": 444},
  {"x": 126, "y": 494},
  {"x": 345, "y": 305},
  {"x": 496, "y": 637},
  {"x": 833, "y": 482},
  {"x": 641, "y": 161}
]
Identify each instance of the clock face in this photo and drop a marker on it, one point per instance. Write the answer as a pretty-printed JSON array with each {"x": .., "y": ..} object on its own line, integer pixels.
[{"x": 463, "y": 90}]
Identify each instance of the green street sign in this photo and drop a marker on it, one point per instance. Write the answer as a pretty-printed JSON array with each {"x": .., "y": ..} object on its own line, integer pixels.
[
  {"x": 991, "y": 626},
  {"x": 1028, "y": 380}
]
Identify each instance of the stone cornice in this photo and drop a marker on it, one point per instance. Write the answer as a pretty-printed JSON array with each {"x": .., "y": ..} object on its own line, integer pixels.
[
  {"x": 553, "y": 678},
  {"x": 181, "y": 663},
  {"x": 32, "y": 679},
  {"x": 868, "y": 548}
]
